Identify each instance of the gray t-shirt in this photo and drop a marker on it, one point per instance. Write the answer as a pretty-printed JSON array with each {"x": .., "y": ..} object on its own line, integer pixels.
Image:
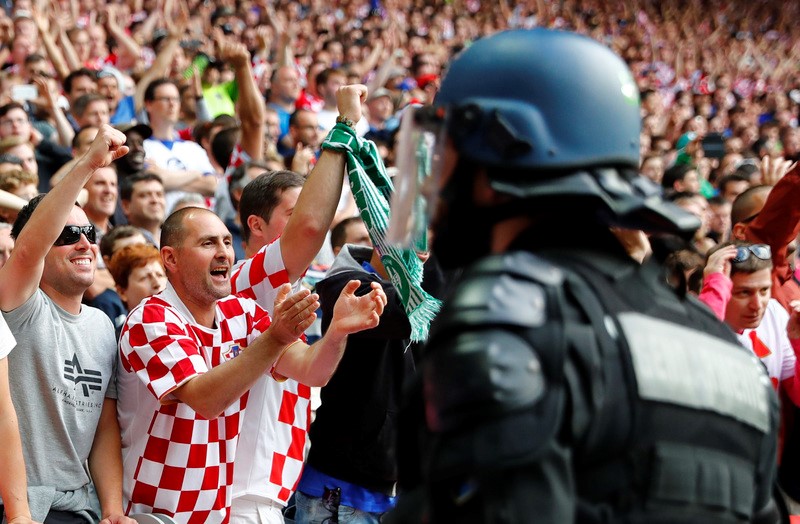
[{"x": 60, "y": 372}]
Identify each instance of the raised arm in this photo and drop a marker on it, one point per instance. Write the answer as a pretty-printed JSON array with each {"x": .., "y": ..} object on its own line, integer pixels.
[
  {"x": 130, "y": 52},
  {"x": 250, "y": 104},
  {"x": 316, "y": 206},
  {"x": 11, "y": 202},
  {"x": 20, "y": 275},
  {"x": 65, "y": 131},
  {"x": 160, "y": 67},
  {"x": 50, "y": 46}
]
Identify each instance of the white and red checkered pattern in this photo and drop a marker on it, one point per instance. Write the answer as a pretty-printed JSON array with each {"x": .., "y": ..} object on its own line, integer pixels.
[
  {"x": 238, "y": 157},
  {"x": 175, "y": 461},
  {"x": 274, "y": 441}
]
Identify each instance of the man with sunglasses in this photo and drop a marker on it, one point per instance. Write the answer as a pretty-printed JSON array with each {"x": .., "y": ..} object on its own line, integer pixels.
[
  {"x": 61, "y": 373},
  {"x": 738, "y": 287},
  {"x": 769, "y": 214}
]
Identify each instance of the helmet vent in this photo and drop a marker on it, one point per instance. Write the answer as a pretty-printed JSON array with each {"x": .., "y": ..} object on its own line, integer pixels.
[{"x": 502, "y": 136}]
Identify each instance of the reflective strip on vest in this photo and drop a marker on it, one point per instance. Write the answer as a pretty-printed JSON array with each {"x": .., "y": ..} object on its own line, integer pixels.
[{"x": 686, "y": 367}]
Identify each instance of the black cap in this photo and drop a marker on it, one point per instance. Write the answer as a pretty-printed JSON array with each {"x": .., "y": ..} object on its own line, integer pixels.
[{"x": 143, "y": 129}]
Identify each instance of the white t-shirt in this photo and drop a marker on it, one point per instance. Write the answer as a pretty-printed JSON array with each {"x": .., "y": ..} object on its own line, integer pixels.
[
  {"x": 180, "y": 155},
  {"x": 780, "y": 361}
]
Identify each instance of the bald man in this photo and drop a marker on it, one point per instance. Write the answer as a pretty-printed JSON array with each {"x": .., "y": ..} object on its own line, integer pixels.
[{"x": 189, "y": 356}]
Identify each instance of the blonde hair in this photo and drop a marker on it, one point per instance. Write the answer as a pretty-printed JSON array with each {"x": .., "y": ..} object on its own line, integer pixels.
[{"x": 14, "y": 179}]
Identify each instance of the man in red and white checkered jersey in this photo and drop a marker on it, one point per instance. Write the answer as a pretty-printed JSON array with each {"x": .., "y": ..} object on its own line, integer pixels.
[
  {"x": 190, "y": 354},
  {"x": 283, "y": 229}
]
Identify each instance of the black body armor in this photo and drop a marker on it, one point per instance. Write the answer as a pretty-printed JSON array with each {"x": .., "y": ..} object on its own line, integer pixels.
[{"x": 578, "y": 387}]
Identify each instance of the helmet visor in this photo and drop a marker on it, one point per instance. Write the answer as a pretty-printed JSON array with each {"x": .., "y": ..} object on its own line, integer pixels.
[{"x": 420, "y": 148}]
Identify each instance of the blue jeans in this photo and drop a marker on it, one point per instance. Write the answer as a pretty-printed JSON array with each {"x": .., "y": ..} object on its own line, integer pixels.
[{"x": 311, "y": 510}]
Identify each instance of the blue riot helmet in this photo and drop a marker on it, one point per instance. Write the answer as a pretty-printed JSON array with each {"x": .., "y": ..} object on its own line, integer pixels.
[{"x": 546, "y": 114}]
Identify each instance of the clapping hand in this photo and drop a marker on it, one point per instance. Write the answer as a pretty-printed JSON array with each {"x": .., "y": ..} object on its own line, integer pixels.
[
  {"x": 352, "y": 314},
  {"x": 293, "y": 314}
]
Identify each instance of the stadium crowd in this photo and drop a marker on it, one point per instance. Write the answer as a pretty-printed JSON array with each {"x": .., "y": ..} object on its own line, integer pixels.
[{"x": 195, "y": 136}]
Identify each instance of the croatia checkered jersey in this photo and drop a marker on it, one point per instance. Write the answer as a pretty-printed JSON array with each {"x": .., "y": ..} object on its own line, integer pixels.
[
  {"x": 274, "y": 441},
  {"x": 176, "y": 461}
]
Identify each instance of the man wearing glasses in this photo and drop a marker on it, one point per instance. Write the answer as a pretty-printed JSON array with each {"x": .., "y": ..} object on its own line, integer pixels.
[
  {"x": 62, "y": 369},
  {"x": 183, "y": 165}
]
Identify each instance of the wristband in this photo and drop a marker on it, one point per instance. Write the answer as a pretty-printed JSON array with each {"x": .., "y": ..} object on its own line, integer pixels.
[{"x": 341, "y": 119}]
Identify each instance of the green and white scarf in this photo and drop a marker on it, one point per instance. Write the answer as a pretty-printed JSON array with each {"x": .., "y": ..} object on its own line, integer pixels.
[{"x": 372, "y": 190}]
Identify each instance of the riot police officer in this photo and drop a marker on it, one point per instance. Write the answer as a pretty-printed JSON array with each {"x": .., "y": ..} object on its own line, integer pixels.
[{"x": 563, "y": 381}]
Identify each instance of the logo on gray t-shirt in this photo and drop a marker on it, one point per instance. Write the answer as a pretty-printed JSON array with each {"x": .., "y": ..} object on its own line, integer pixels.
[{"x": 88, "y": 379}]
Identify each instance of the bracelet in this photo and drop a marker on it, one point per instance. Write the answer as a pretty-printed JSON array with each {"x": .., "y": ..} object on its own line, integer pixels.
[
  {"x": 341, "y": 119},
  {"x": 273, "y": 370}
]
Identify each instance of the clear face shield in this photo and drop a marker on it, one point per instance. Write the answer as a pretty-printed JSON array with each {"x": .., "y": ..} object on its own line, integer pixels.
[{"x": 420, "y": 152}]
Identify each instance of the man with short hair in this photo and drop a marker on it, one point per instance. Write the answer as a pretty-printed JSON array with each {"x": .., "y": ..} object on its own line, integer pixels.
[
  {"x": 300, "y": 146},
  {"x": 380, "y": 113},
  {"x": 61, "y": 372},
  {"x": 102, "y": 199},
  {"x": 328, "y": 82},
  {"x": 283, "y": 228},
  {"x": 101, "y": 203},
  {"x": 23, "y": 149},
  {"x": 183, "y": 165},
  {"x": 79, "y": 82},
  {"x": 109, "y": 87},
  {"x": 351, "y": 230},
  {"x": 14, "y": 121},
  {"x": 90, "y": 109},
  {"x": 739, "y": 292},
  {"x": 680, "y": 178},
  {"x": 134, "y": 162},
  {"x": 282, "y": 95},
  {"x": 144, "y": 204},
  {"x": 189, "y": 356}
]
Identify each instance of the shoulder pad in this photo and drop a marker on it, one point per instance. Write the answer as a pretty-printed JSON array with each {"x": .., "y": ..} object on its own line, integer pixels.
[{"x": 508, "y": 289}]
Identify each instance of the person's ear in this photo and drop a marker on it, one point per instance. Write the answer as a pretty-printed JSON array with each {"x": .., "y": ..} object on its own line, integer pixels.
[
  {"x": 738, "y": 231},
  {"x": 122, "y": 295},
  {"x": 256, "y": 224},
  {"x": 169, "y": 257}
]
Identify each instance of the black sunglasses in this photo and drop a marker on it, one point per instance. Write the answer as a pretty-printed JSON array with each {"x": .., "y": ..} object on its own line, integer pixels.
[
  {"x": 762, "y": 251},
  {"x": 72, "y": 234}
]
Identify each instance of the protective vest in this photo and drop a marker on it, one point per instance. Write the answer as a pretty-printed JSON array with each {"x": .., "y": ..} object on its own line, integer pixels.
[{"x": 579, "y": 387}]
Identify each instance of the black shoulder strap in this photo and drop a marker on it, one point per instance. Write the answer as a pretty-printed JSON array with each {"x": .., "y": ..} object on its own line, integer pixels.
[{"x": 600, "y": 302}]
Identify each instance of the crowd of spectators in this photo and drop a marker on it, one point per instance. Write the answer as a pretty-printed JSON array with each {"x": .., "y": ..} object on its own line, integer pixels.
[{"x": 210, "y": 94}]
